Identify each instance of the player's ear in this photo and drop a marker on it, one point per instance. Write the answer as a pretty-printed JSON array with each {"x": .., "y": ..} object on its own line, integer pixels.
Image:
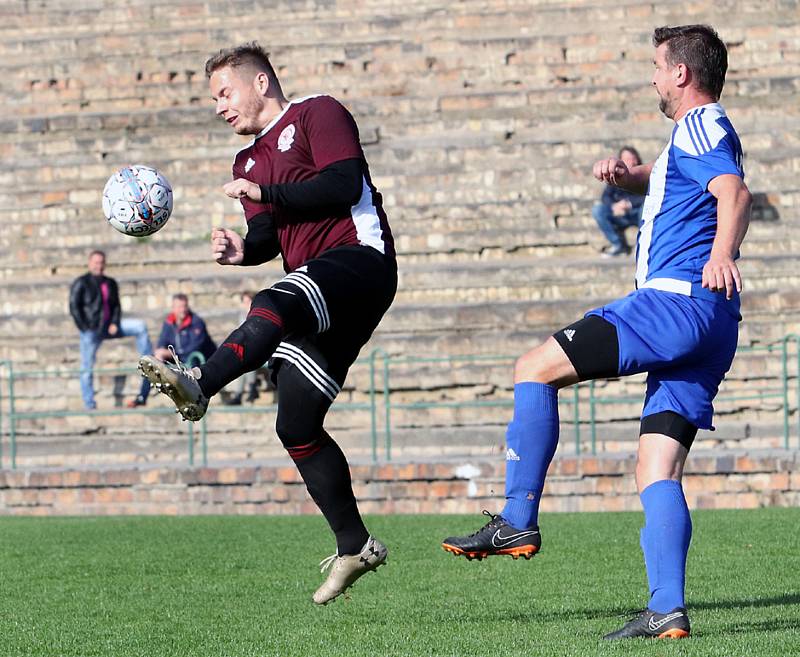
[
  {"x": 681, "y": 74},
  {"x": 261, "y": 83}
]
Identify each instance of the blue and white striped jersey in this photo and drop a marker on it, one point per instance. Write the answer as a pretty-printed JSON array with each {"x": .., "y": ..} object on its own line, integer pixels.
[{"x": 679, "y": 218}]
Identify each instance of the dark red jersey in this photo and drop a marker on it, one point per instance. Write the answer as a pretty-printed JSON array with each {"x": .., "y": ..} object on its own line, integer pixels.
[{"x": 310, "y": 134}]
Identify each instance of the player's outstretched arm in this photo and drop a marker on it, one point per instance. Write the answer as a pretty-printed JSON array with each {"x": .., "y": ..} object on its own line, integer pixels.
[
  {"x": 720, "y": 273},
  {"x": 614, "y": 171},
  {"x": 339, "y": 183}
]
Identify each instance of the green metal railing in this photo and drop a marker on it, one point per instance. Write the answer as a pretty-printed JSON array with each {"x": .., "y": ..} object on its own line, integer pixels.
[
  {"x": 583, "y": 400},
  {"x": 593, "y": 401},
  {"x": 14, "y": 416}
]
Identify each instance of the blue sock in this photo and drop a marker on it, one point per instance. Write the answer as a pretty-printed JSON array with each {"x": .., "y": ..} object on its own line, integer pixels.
[
  {"x": 665, "y": 541},
  {"x": 531, "y": 441}
]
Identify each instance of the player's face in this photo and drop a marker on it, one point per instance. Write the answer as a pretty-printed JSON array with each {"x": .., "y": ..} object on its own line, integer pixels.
[
  {"x": 664, "y": 82},
  {"x": 97, "y": 265},
  {"x": 238, "y": 100}
]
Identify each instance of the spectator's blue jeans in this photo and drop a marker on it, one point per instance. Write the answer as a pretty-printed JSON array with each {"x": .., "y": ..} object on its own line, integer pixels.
[
  {"x": 614, "y": 227},
  {"x": 90, "y": 342}
]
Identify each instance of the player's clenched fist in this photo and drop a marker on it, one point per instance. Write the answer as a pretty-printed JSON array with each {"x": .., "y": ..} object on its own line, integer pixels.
[
  {"x": 611, "y": 170},
  {"x": 227, "y": 246},
  {"x": 241, "y": 187}
]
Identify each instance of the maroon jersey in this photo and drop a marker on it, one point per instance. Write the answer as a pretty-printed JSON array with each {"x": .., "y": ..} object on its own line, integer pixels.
[{"x": 310, "y": 134}]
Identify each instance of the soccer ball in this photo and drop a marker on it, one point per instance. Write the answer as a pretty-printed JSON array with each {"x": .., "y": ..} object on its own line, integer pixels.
[{"x": 137, "y": 200}]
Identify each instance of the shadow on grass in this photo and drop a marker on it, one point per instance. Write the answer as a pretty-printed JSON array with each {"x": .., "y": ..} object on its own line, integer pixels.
[
  {"x": 746, "y": 627},
  {"x": 776, "y": 601},
  {"x": 790, "y": 599}
]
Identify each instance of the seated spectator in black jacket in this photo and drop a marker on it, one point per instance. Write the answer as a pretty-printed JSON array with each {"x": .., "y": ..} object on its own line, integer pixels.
[
  {"x": 618, "y": 209},
  {"x": 94, "y": 305},
  {"x": 185, "y": 331}
]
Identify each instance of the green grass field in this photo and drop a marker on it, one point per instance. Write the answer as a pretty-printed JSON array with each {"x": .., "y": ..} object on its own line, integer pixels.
[{"x": 242, "y": 586}]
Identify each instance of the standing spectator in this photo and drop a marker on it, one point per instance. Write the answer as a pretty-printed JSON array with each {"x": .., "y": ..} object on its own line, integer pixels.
[
  {"x": 618, "y": 209},
  {"x": 185, "y": 332},
  {"x": 94, "y": 305}
]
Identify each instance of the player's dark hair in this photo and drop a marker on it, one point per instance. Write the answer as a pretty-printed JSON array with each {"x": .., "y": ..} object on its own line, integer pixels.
[
  {"x": 632, "y": 151},
  {"x": 92, "y": 254},
  {"x": 180, "y": 296},
  {"x": 248, "y": 54},
  {"x": 700, "y": 49}
]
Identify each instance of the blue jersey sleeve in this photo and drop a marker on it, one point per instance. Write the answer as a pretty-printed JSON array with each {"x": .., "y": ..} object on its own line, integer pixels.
[{"x": 702, "y": 166}]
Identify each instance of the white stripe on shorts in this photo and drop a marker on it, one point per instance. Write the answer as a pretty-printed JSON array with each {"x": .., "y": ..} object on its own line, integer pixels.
[
  {"x": 312, "y": 371},
  {"x": 314, "y": 294}
]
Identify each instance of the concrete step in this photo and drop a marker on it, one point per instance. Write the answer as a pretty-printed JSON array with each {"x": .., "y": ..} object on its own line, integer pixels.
[
  {"x": 461, "y": 386},
  {"x": 79, "y": 441},
  {"x": 510, "y": 327}
]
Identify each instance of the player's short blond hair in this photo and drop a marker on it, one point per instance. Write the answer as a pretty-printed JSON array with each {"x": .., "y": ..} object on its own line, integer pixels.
[{"x": 247, "y": 54}]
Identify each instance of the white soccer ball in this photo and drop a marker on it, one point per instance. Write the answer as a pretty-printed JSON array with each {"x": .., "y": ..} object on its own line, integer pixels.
[{"x": 137, "y": 200}]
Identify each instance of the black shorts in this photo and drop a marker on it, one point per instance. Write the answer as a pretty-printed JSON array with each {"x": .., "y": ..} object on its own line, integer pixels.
[
  {"x": 346, "y": 290},
  {"x": 592, "y": 347}
]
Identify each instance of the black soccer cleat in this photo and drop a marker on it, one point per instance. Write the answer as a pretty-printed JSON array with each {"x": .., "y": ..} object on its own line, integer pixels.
[
  {"x": 652, "y": 625},
  {"x": 494, "y": 538}
]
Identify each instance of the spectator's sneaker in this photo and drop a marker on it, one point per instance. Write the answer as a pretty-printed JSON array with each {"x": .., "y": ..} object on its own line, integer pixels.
[
  {"x": 616, "y": 251},
  {"x": 136, "y": 401},
  {"x": 252, "y": 394},
  {"x": 649, "y": 624},
  {"x": 344, "y": 571},
  {"x": 178, "y": 383},
  {"x": 232, "y": 400},
  {"x": 495, "y": 537}
]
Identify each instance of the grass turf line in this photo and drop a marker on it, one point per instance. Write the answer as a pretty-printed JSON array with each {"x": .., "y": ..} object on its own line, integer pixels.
[{"x": 242, "y": 586}]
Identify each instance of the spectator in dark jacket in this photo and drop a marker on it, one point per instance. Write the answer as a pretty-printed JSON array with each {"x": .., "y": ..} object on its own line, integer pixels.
[
  {"x": 618, "y": 209},
  {"x": 94, "y": 305},
  {"x": 185, "y": 331}
]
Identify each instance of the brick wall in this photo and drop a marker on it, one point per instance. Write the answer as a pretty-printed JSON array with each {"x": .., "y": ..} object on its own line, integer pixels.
[{"x": 584, "y": 483}]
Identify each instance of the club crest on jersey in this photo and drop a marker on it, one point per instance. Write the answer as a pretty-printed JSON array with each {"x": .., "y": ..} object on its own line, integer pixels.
[
  {"x": 286, "y": 138},
  {"x": 249, "y": 164}
]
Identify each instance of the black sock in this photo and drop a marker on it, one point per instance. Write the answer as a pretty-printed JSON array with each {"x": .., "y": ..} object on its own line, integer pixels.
[
  {"x": 244, "y": 350},
  {"x": 324, "y": 469}
]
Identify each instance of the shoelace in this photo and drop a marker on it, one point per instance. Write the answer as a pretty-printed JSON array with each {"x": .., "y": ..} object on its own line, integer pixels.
[
  {"x": 327, "y": 561},
  {"x": 178, "y": 364},
  {"x": 634, "y": 615},
  {"x": 493, "y": 517}
]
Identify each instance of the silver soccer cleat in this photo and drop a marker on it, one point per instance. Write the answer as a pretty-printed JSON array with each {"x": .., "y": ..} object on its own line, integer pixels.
[
  {"x": 344, "y": 571},
  {"x": 178, "y": 383}
]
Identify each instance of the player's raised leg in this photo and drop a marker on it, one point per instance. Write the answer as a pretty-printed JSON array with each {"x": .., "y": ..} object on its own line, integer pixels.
[
  {"x": 531, "y": 441},
  {"x": 586, "y": 349},
  {"x": 274, "y": 312}
]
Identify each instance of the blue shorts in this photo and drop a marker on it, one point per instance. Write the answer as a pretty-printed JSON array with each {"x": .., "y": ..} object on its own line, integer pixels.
[{"x": 685, "y": 344}]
